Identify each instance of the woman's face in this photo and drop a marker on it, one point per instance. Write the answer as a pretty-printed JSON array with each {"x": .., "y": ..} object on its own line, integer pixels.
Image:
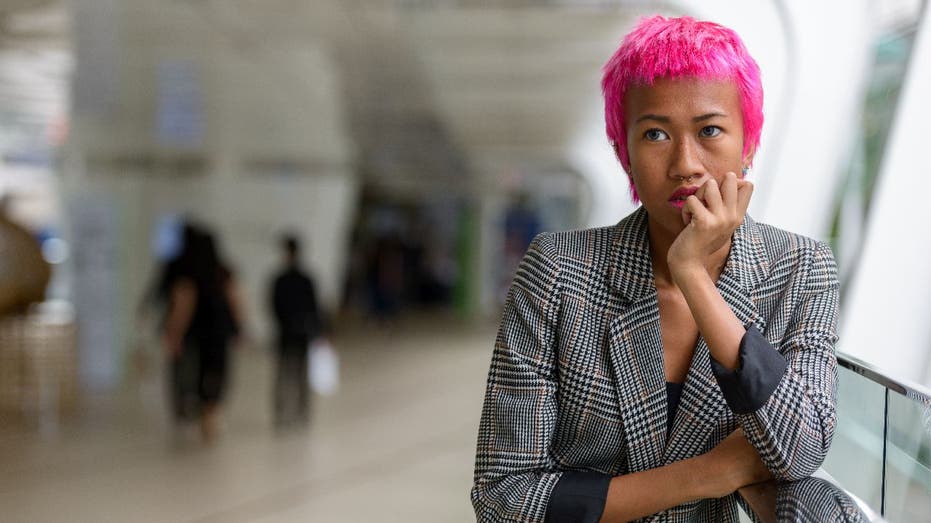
[{"x": 680, "y": 133}]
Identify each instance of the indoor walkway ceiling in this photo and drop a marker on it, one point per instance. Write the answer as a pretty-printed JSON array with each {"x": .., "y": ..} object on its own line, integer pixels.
[
  {"x": 457, "y": 86},
  {"x": 509, "y": 84},
  {"x": 430, "y": 88}
]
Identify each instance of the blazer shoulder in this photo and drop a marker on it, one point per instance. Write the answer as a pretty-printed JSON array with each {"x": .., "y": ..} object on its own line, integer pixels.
[
  {"x": 780, "y": 242},
  {"x": 582, "y": 244},
  {"x": 788, "y": 249}
]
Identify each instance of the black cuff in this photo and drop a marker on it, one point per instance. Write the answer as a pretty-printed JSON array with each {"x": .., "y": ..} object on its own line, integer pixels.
[
  {"x": 578, "y": 497},
  {"x": 760, "y": 369}
]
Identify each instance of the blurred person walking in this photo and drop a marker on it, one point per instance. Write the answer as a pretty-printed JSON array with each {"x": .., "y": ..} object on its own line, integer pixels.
[
  {"x": 204, "y": 315},
  {"x": 183, "y": 366},
  {"x": 293, "y": 303}
]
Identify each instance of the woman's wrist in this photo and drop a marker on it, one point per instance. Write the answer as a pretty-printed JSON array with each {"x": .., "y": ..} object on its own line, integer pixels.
[
  {"x": 702, "y": 477},
  {"x": 687, "y": 274},
  {"x": 715, "y": 474}
]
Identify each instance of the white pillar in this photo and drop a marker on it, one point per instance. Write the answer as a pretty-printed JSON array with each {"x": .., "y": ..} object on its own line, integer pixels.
[{"x": 888, "y": 307}]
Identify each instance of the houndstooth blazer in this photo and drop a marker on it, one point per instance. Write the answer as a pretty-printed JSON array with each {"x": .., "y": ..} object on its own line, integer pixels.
[
  {"x": 814, "y": 500},
  {"x": 577, "y": 381}
]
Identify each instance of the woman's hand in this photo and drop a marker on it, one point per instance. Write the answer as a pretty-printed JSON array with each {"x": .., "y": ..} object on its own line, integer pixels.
[
  {"x": 711, "y": 216},
  {"x": 762, "y": 500},
  {"x": 732, "y": 465}
]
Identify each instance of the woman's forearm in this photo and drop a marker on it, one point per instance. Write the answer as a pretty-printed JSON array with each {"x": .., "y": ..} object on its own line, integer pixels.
[
  {"x": 731, "y": 465},
  {"x": 641, "y": 494},
  {"x": 715, "y": 319}
]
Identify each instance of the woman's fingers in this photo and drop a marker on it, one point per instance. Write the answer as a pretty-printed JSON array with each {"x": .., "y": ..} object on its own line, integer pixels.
[
  {"x": 713, "y": 202},
  {"x": 735, "y": 196},
  {"x": 729, "y": 190},
  {"x": 694, "y": 209},
  {"x": 710, "y": 193},
  {"x": 744, "y": 191}
]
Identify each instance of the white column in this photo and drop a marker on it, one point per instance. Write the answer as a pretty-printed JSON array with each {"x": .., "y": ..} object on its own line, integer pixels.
[{"x": 888, "y": 307}]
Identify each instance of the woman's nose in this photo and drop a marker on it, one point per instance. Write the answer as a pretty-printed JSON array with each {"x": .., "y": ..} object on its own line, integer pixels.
[{"x": 687, "y": 161}]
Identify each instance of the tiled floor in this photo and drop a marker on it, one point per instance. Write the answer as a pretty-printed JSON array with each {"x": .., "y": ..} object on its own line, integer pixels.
[{"x": 394, "y": 445}]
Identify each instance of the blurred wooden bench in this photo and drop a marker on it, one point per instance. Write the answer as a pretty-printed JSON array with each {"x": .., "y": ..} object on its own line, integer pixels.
[{"x": 38, "y": 367}]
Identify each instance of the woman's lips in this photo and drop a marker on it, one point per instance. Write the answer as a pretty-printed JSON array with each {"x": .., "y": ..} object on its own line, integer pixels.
[{"x": 678, "y": 198}]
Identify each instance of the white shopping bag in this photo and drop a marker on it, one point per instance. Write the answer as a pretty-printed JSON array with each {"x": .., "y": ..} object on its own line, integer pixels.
[{"x": 323, "y": 368}]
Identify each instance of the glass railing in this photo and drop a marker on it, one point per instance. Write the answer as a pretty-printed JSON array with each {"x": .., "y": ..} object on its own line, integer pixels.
[
  {"x": 817, "y": 499},
  {"x": 882, "y": 446}
]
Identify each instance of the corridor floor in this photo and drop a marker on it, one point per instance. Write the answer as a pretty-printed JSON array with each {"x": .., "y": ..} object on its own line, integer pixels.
[{"x": 395, "y": 444}]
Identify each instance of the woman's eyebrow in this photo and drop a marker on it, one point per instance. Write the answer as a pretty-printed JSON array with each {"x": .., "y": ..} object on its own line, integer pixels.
[
  {"x": 658, "y": 118},
  {"x": 708, "y": 116},
  {"x": 666, "y": 119}
]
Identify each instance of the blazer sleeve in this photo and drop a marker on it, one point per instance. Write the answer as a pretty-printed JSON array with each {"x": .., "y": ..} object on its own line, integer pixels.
[
  {"x": 792, "y": 430},
  {"x": 514, "y": 473}
]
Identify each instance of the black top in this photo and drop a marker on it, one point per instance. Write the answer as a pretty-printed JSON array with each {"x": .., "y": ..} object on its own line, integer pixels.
[
  {"x": 213, "y": 321},
  {"x": 294, "y": 303}
]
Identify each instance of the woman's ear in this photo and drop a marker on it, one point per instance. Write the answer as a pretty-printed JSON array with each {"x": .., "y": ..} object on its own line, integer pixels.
[{"x": 747, "y": 161}]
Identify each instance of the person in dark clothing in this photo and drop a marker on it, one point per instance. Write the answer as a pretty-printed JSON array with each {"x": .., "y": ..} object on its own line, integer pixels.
[
  {"x": 181, "y": 367},
  {"x": 297, "y": 319},
  {"x": 204, "y": 316}
]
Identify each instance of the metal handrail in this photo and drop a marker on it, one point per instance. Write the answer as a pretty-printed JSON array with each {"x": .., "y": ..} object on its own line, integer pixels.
[{"x": 904, "y": 387}]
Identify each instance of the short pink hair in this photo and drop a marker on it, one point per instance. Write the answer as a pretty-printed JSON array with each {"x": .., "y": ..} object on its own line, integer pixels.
[{"x": 660, "y": 47}]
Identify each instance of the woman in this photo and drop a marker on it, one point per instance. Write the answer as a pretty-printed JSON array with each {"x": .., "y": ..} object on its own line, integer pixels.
[
  {"x": 654, "y": 368},
  {"x": 204, "y": 314}
]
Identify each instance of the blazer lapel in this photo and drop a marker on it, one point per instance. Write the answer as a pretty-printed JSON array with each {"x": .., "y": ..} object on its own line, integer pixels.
[
  {"x": 702, "y": 405},
  {"x": 635, "y": 346},
  {"x": 746, "y": 268}
]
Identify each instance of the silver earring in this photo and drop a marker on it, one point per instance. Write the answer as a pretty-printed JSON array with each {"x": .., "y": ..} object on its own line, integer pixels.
[{"x": 745, "y": 171}]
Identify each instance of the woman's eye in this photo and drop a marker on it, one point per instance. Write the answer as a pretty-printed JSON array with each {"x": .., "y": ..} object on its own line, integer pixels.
[
  {"x": 655, "y": 135},
  {"x": 710, "y": 131}
]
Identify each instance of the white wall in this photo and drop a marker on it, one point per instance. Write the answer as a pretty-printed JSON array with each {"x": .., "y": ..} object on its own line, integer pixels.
[
  {"x": 607, "y": 199},
  {"x": 888, "y": 307}
]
